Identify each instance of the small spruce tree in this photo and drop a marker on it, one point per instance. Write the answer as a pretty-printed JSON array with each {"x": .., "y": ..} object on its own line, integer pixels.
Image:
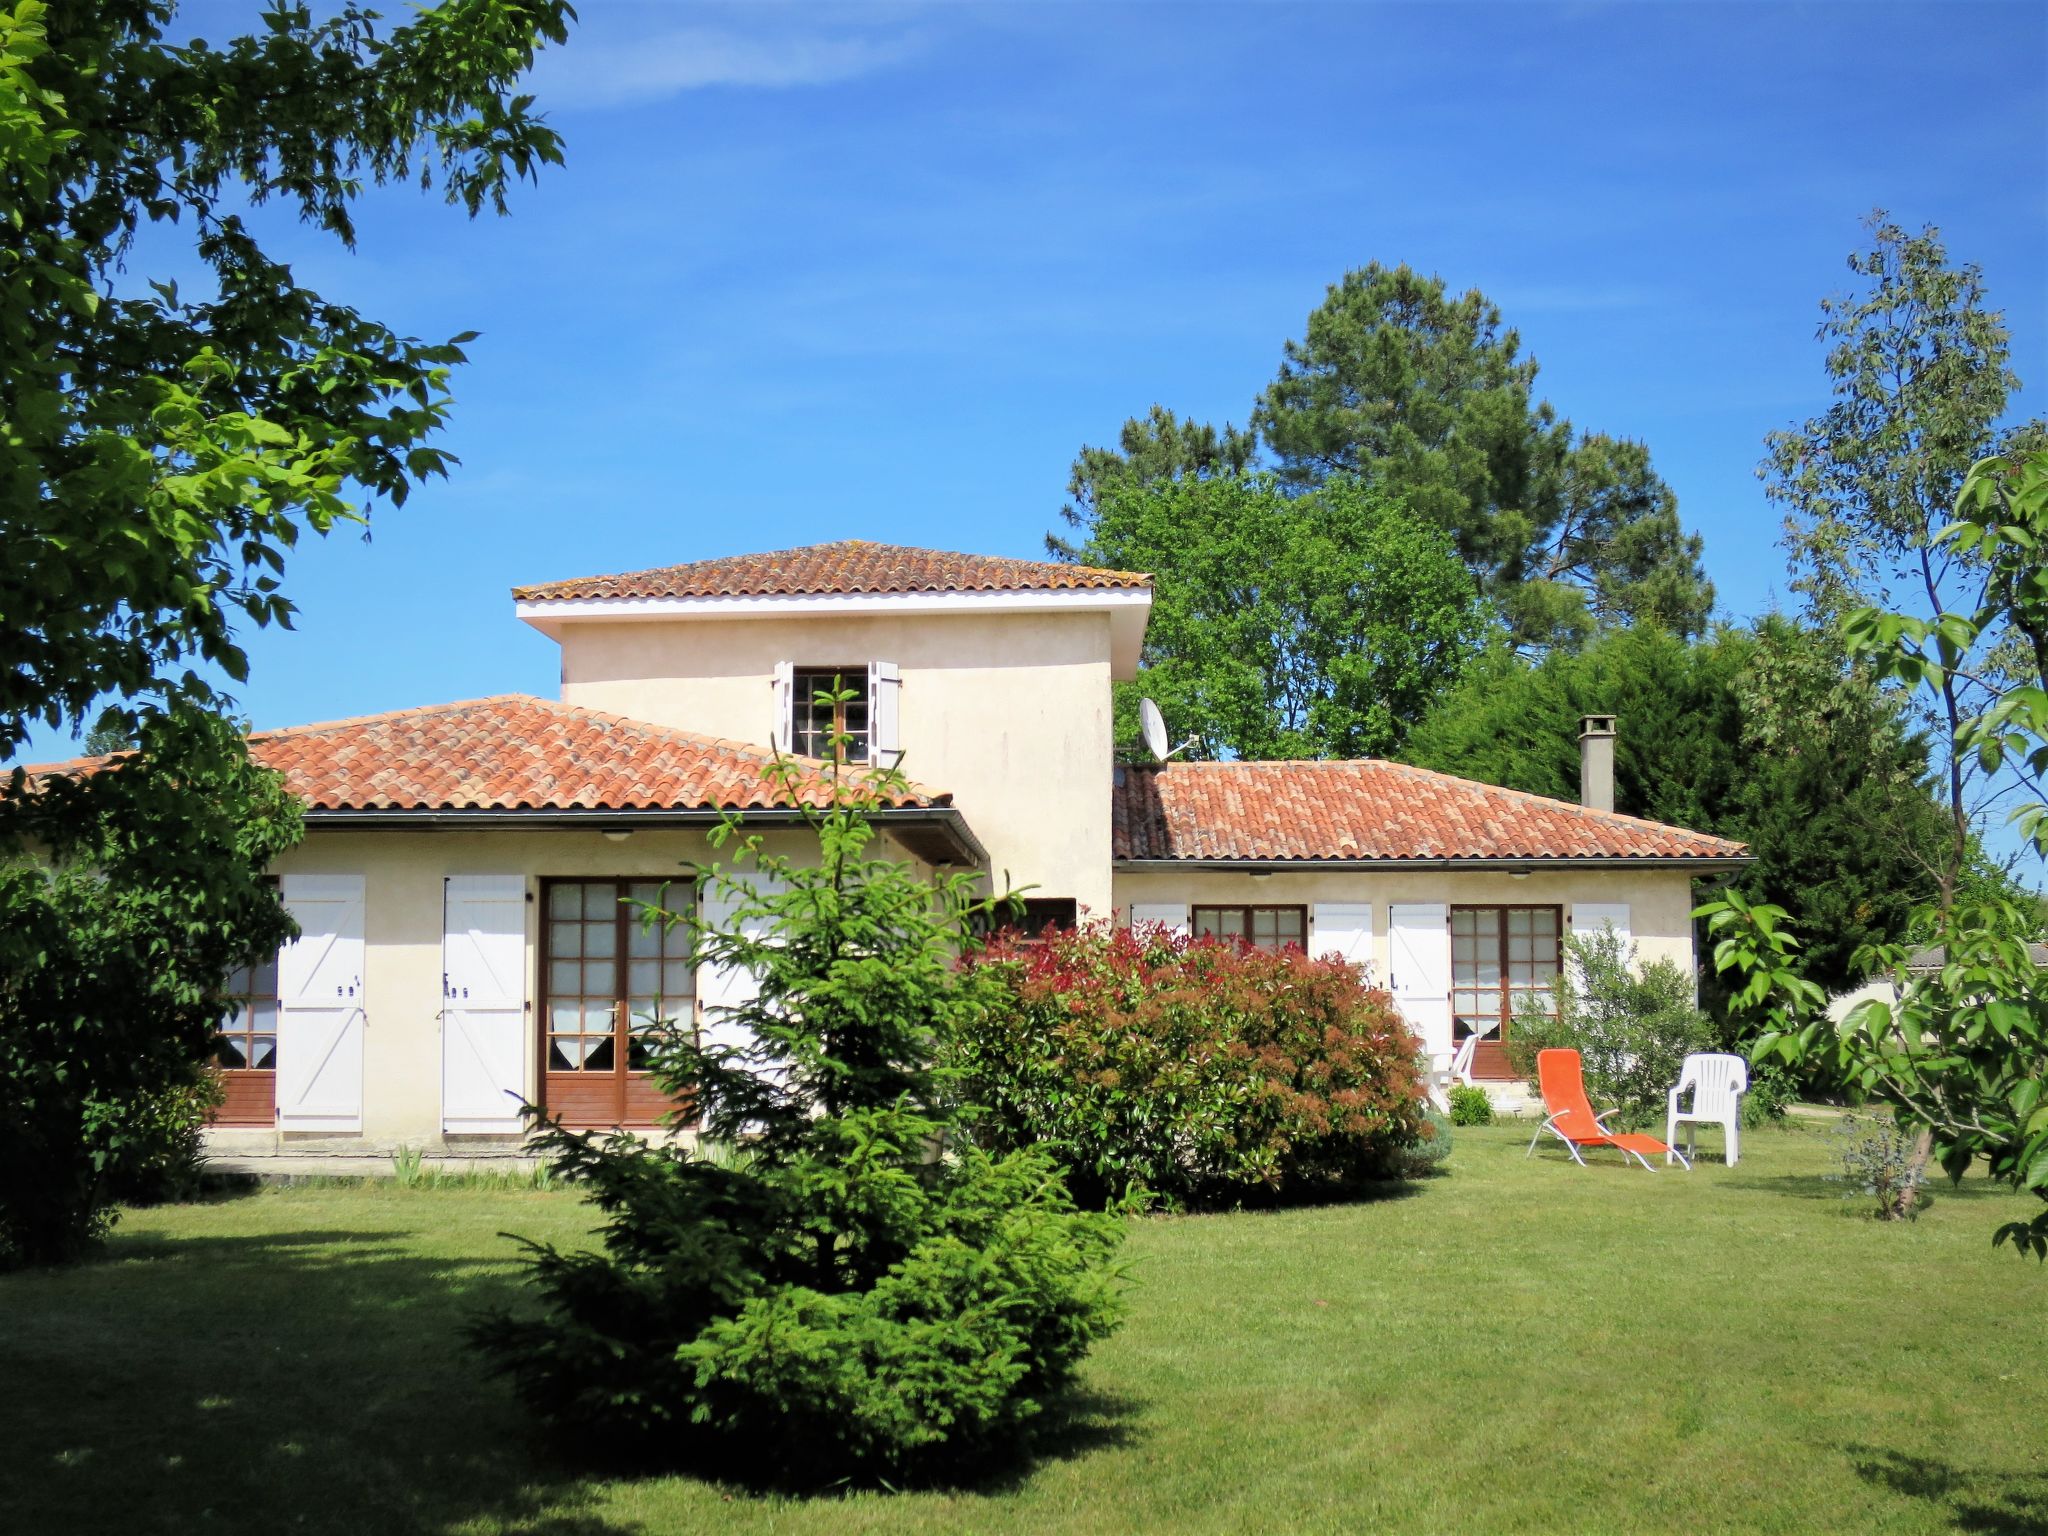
[{"x": 860, "y": 1292}]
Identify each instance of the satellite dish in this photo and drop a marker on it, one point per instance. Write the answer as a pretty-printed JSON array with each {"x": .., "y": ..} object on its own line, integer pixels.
[{"x": 1152, "y": 726}]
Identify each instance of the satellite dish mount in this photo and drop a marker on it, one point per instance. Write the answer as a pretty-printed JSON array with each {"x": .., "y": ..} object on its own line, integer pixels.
[{"x": 1152, "y": 726}]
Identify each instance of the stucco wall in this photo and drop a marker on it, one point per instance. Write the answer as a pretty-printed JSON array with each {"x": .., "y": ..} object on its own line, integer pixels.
[
  {"x": 1660, "y": 901},
  {"x": 402, "y": 918},
  {"x": 1010, "y": 713}
]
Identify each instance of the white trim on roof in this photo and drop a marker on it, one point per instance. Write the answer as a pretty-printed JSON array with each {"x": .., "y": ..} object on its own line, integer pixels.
[{"x": 1128, "y": 608}]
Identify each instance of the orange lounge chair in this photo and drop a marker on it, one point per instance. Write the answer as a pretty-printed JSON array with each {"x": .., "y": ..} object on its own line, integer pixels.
[{"x": 1572, "y": 1121}]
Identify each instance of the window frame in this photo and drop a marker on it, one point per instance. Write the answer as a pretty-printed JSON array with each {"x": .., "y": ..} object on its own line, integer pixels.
[
  {"x": 803, "y": 706},
  {"x": 1247, "y": 908},
  {"x": 622, "y": 1074},
  {"x": 1503, "y": 1021},
  {"x": 240, "y": 1003}
]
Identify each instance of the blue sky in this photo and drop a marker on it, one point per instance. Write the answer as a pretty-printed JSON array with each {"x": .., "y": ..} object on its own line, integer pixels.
[{"x": 831, "y": 271}]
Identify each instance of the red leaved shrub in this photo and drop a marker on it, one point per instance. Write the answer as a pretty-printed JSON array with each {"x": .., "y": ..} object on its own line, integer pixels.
[{"x": 1189, "y": 1072}]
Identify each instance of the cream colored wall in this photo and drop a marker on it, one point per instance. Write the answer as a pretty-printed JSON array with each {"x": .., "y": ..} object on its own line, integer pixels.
[
  {"x": 1010, "y": 713},
  {"x": 1660, "y": 901},
  {"x": 402, "y": 919}
]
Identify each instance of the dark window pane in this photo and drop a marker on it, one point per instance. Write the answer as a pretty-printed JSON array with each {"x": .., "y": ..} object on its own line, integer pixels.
[
  {"x": 602, "y": 1054},
  {"x": 229, "y": 1053}
]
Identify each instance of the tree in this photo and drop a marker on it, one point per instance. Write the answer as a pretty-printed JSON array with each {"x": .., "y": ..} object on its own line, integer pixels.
[
  {"x": 1918, "y": 362},
  {"x": 1426, "y": 395},
  {"x": 110, "y": 733},
  {"x": 162, "y": 453},
  {"x": 145, "y": 889},
  {"x": 1160, "y": 447},
  {"x": 1314, "y": 625},
  {"x": 1767, "y": 735},
  {"x": 860, "y": 1290},
  {"x": 1962, "y": 1054}
]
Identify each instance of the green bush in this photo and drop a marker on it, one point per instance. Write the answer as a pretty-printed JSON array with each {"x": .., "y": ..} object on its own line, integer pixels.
[
  {"x": 1632, "y": 1026},
  {"x": 1427, "y": 1153},
  {"x": 860, "y": 1293},
  {"x": 1772, "y": 1091},
  {"x": 1882, "y": 1160},
  {"x": 1188, "y": 1072},
  {"x": 1470, "y": 1105},
  {"x": 162, "y": 1157}
]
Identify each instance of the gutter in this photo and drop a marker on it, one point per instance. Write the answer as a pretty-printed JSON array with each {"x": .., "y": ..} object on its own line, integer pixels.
[
  {"x": 945, "y": 819},
  {"x": 1705, "y": 865}
]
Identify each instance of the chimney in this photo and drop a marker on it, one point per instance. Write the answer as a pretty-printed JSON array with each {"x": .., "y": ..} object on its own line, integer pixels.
[{"x": 1596, "y": 762}]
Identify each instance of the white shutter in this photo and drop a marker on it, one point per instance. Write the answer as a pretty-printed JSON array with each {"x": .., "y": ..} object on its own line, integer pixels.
[
  {"x": 1172, "y": 915},
  {"x": 1343, "y": 929},
  {"x": 1589, "y": 917},
  {"x": 885, "y": 712},
  {"x": 483, "y": 1004},
  {"x": 320, "y": 1012},
  {"x": 780, "y": 733},
  {"x": 1419, "y": 971},
  {"x": 722, "y": 988}
]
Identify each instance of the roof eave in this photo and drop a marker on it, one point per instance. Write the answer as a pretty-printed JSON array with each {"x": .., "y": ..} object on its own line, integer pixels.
[
  {"x": 956, "y": 836},
  {"x": 1701, "y": 864}
]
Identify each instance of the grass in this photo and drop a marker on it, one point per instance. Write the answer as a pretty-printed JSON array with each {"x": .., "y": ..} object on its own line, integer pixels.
[{"x": 1516, "y": 1345}]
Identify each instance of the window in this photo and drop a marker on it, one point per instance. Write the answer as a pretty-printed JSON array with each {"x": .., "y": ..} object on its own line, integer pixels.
[
  {"x": 1040, "y": 915},
  {"x": 1503, "y": 962},
  {"x": 817, "y": 717},
  {"x": 608, "y": 976},
  {"x": 248, "y": 1030},
  {"x": 1267, "y": 928}
]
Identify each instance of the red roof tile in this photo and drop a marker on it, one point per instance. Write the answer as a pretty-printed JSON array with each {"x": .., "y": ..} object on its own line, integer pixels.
[
  {"x": 517, "y": 752},
  {"x": 845, "y": 567},
  {"x": 1370, "y": 810}
]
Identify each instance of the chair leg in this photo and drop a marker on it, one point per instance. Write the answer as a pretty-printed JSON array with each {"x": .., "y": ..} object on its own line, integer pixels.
[{"x": 1734, "y": 1133}]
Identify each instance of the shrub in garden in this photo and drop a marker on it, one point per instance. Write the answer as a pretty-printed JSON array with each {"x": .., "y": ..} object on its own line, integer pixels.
[
  {"x": 839, "y": 1285},
  {"x": 1470, "y": 1105},
  {"x": 1189, "y": 1072},
  {"x": 1633, "y": 1026},
  {"x": 1882, "y": 1160},
  {"x": 1430, "y": 1149}
]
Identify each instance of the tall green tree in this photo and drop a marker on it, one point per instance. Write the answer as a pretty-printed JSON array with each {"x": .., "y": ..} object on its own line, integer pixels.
[
  {"x": 1765, "y": 735},
  {"x": 1156, "y": 447},
  {"x": 1425, "y": 393},
  {"x": 162, "y": 449},
  {"x": 1316, "y": 625},
  {"x": 1918, "y": 362}
]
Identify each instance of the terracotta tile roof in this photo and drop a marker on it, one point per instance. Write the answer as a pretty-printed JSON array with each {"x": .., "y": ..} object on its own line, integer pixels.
[
  {"x": 845, "y": 567},
  {"x": 1369, "y": 810},
  {"x": 517, "y": 752}
]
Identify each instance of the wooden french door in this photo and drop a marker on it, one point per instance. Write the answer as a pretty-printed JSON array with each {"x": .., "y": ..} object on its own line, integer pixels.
[
  {"x": 246, "y": 1052},
  {"x": 606, "y": 977},
  {"x": 1504, "y": 961}
]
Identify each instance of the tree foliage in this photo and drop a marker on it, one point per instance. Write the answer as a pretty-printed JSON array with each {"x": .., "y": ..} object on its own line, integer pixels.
[
  {"x": 863, "y": 1291},
  {"x": 1918, "y": 362},
  {"x": 1633, "y": 1025},
  {"x": 1425, "y": 393},
  {"x": 162, "y": 449},
  {"x": 1767, "y": 735},
  {"x": 1158, "y": 448},
  {"x": 1284, "y": 626},
  {"x": 1962, "y": 1054},
  {"x": 144, "y": 889}
]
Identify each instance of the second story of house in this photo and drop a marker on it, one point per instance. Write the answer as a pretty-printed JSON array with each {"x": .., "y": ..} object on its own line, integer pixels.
[{"x": 987, "y": 678}]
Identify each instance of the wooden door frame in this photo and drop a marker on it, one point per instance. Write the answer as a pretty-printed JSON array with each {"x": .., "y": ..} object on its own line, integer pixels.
[
  {"x": 622, "y": 1073},
  {"x": 1499, "y": 1035}
]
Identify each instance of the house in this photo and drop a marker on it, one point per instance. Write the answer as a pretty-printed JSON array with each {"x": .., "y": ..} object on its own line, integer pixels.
[{"x": 466, "y": 881}]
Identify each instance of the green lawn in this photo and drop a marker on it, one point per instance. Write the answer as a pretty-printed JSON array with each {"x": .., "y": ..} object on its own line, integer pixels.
[{"x": 1514, "y": 1346}]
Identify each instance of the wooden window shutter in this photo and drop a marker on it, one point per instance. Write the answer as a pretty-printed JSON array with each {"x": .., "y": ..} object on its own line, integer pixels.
[
  {"x": 885, "y": 712},
  {"x": 782, "y": 729}
]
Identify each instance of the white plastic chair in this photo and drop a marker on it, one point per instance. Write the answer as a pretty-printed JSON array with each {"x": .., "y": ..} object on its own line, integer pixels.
[
  {"x": 1454, "y": 1068},
  {"x": 1718, "y": 1083}
]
